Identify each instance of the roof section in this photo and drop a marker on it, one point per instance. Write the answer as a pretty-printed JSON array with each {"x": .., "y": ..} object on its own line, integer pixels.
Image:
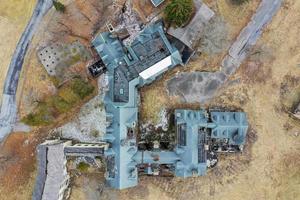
[
  {"x": 52, "y": 173},
  {"x": 129, "y": 67},
  {"x": 157, "y": 68},
  {"x": 231, "y": 125},
  {"x": 157, "y": 2},
  {"x": 145, "y": 57}
]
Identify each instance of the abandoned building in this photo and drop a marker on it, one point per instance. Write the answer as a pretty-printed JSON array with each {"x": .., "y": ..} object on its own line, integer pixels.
[
  {"x": 53, "y": 180},
  {"x": 131, "y": 67},
  {"x": 200, "y": 134}
]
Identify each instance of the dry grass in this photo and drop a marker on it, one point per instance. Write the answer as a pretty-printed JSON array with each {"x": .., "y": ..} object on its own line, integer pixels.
[{"x": 14, "y": 15}]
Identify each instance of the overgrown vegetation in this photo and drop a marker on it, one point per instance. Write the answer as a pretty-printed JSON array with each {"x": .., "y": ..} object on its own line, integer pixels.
[
  {"x": 239, "y": 2},
  {"x": 81, "y": 88},
  {"x": 59, "y": 6},
  {"x": 179, "y": 12},
  {"x": 68, "y": 96},
  {"x": 95, "y": 133},
  {"x": 83, "y": 167},
  {"x": 41, "y": 116}
]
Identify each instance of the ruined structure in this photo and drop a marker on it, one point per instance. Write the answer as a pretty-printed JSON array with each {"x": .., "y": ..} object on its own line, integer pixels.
[
  {"x": 53, "y": 178},
  {"x": 130, "y": 67},
  {"x": 200, "y": 134}
]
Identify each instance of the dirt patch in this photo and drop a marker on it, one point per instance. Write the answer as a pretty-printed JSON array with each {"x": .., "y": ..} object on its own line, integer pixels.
[
  {"x": 257, "y": 68},
  {"x": 288, "y": 177},
  {"x": 17, "y": 169}
]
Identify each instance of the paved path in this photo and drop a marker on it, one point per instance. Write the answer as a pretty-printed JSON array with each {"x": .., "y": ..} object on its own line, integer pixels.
[
  {"x": 8, "y": 111},
  {"x": 199, "y": 87}
]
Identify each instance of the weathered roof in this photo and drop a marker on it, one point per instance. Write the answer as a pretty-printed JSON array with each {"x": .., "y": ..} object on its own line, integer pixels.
[
  {"x": 126, "y": 65},
  {"x": 140, "y": 59},
  {"x": 231, "y": 125},
  {"x": 52, "y": 172}
]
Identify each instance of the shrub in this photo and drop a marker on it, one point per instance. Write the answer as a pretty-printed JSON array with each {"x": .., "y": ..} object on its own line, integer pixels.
[
  {"x": 81, "y": 87},
  {"x": 239, "y": 2},
  {"x": 41, "y": 116},
  {"x": 60, "y": 104},
  {"x": 68, "y": 95},
  {"x": 179, "y": 12},
  {"x": 83, "y": 167},
  {"x": 95, "y": 133},
  {"x": 56, "y": 82},
  {"x": 59, "y": 6}
]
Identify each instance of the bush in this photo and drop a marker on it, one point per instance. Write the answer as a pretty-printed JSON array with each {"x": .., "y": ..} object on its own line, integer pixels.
[
  {"x": 59, "y": 6},
  {"x": 68, "y": 95},
  {"x": 42, "y": 116},
  {"x": 83, "y": 167},
  {"x": 179, "y": 12},
  {"x": 81, "y": 87},
  {"x": 95, "y": 133},
  {"x": 60, "y": 104},
  {"x": 239, "y": 2}
]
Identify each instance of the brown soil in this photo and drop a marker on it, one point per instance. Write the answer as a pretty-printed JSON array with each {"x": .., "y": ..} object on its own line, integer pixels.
[{"x": 17, "y": 166}]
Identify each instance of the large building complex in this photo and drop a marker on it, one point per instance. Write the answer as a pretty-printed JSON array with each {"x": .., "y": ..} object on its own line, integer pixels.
[
  {"x": 200, "y": 134},
  {"x": 130, "y": 67}
]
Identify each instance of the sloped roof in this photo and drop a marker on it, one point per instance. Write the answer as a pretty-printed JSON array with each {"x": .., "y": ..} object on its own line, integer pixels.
[
  {"x": 157, "y": 2},
  {"x": 130, "y": 67}
]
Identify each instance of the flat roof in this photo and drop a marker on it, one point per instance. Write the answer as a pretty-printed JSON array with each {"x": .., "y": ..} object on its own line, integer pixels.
[{"x": 158, "y": 68}]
